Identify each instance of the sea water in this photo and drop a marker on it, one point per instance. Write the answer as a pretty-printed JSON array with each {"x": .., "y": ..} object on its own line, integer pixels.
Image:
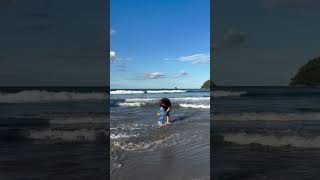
[
  {"x": 265, "y": 133},
  {"x": 54, "y": 133},
  {"x": 141, "y": 150}
]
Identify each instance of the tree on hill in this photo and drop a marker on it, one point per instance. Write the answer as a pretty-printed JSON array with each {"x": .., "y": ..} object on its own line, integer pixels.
[
  {"x": 308, "y": 74},
  {"x": 206, "y": 85}
]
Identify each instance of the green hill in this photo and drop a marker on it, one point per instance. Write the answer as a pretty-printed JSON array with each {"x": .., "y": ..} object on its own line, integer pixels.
[
  {"x": 308, "y": 74},
  {"x": 206, "y": 85}
]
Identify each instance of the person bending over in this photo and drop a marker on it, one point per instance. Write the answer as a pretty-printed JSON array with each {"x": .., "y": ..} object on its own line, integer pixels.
[{"x": 166, "y": 104}]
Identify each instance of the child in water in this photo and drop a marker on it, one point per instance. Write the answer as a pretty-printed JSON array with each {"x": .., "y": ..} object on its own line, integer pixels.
[
  {"x": 165, "y": 107},
  {"x": 162, "y": 114}
]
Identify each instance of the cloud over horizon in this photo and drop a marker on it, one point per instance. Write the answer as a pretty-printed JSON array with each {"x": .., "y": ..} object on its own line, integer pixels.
[
  {"x": 153, "y": 75},
  {"x": 160, "y": 75}
]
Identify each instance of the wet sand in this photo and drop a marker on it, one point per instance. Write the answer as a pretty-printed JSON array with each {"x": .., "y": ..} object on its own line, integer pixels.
[{"x": 187, "y": 160}]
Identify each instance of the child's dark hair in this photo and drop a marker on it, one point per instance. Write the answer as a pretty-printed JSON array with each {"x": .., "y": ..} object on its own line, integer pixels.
[
  {"x": 165, "y": 103},
  {"x": 164, "y": 106}
]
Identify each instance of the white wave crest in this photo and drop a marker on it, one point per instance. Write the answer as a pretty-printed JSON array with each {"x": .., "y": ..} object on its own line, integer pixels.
[
  {"x": 192, "y": 99},
  {"x": 30, "y": 96},
  {"x": 196, "y": 106},
  {"x": 273, "y": 140},
  {"x": 267, "y": 116},
  {"x": 228, "y": 93},
  {"x": 80, "y": 135},
  {"x": 126, "y": 92},
  {"x": 131, "y": 104},
  {"x": 186, "y": 101},
  {"x": 121, "y": 135},
  {"x": 172, "y": 99},
  {"x": 166, "y": 91},
  {"x": 141, "y": 100},
  {"x": 150, "y": 146}
]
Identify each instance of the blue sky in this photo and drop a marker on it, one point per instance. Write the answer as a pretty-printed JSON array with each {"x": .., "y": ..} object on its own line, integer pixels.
[
  {"x": 53, "y": 43},
  {"x": 159, "y": 43},
  {"x": 264, "y": 42}
]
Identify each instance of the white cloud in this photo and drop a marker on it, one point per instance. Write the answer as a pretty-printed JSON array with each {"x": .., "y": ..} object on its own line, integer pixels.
[
  {"x": 159, "y": 75},
  {"x": 153, "y": 75},
  {"x": 196, "y": 58},
  {"x": 112, "y": 56},
  {"x": 112, "y": 31}
]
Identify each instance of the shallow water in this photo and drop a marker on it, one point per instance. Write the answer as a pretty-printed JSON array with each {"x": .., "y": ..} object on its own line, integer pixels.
[{"x": 139, "y": 149}]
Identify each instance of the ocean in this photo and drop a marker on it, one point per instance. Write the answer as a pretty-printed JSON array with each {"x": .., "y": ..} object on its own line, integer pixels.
[
  {"x": 54, "y": 133},
  {"x": 63, "y": 133},
  {"x": 141, "y": 150},
  {"x": 265, "y": 133}
]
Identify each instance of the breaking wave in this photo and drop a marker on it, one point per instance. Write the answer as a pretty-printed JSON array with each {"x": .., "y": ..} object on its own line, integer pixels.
[
  {"x": 183, "y": 105},
  {"x": 59, "y": 135},
  {"x": 172, "y": 99},
  {"x": 196, "y": 106},
  {"x": 147, "y": 91},
  {"x": 185, "y": 102},
  {"x": 121, "y": 135},
  {"x": 30, "y": 96},
  {"x": 141, "y": 145},
  {"x": 192, "y": 99},
  {"x": 141, "y": 99},
  {"x": 166, "y": 91},
  {"x": 273, "y": 140},
  {"x": 133, "y": 104},
  {"x": 126, "y": 92},
  {"x": 267, "y": 116},
  {"x": 219, "y": 93}
]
